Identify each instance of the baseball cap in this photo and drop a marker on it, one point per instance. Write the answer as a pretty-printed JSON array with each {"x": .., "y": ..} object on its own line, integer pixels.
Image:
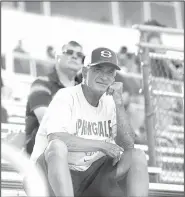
[{"x": 102, "y": 55}]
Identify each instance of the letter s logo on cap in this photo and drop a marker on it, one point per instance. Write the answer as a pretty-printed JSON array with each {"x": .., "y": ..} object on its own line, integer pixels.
[{"x": 106, "y": 54}]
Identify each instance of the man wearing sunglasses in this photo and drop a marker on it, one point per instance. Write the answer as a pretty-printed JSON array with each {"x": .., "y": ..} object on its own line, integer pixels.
[
  {"x": 69, "y": 61},
  {"x": 88, "y": 149}
]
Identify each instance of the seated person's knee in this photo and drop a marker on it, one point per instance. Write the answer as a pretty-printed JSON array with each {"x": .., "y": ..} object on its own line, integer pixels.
[{"x": 56, "y": 148}]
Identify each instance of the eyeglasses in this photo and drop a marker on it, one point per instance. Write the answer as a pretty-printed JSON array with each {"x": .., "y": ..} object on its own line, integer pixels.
[{"x": 71, "y": 52}]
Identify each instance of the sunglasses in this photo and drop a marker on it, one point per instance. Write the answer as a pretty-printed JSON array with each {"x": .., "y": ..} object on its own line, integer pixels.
[{"x": 71, "y": 52}]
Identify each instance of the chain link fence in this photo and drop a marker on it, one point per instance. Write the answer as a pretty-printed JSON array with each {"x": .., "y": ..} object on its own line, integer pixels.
[
  {"x": 163, "y": 76},
  {"x": 168, "y": 105}
]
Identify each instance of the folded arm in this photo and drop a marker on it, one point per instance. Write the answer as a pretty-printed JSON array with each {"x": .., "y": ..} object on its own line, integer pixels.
[
  {"x": 39, "y": 97},
  {"x": 78, "y": 144},
  {"x": 125, "y": 133}
]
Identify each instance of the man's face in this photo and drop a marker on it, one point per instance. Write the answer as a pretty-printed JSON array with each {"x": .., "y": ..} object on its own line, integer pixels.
[
  {"x": 71, "y": 58},
  {"x": 100, "y": 77}
]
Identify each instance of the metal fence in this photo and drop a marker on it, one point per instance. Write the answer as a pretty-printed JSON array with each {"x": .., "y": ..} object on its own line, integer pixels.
[
  {"x": 164, "y": 106},
  {"x": 168, "y": 107}
]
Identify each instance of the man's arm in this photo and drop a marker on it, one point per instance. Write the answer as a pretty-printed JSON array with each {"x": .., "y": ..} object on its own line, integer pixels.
[
  {"x": 125, "y": 135},
  {"x": 77, "y": 144},
  {"x": 40, "y": 97},
  {"x": 39, "y": 112}
]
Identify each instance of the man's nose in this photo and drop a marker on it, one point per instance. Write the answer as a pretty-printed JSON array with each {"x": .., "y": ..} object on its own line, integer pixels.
[
  {"x": 74, "y": 56},
  {"x": 104, "y": 76}
]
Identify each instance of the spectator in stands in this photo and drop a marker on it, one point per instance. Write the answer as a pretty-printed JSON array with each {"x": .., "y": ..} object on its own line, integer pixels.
[
  {"x": 68, "y": 62},
  {"x": 122, "y": 57},
  {"x": 89, "y": 104},
  {"x": 127, "y": 64},
  {"x": 50, "y": 52},
  {"x": 163, "y": 68},
  {"x": 21, "y": 59},
  {"x": 19, "y": 47},
  {"x": 127, "y": 60},
  {"x": 131, "y": 65},
  {"x": 160, "y": 67}
]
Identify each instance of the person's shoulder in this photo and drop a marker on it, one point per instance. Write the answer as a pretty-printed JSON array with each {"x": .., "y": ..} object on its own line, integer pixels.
[
  {"x": 41, "y": 84},
  {"x": 41, "y": 80},
  {"x": 71, "y": 89},
  {"x": 68, "y": 92}
]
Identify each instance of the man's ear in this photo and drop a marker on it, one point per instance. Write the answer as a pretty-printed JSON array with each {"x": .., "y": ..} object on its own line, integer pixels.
[
  {"x": 64, "y": 47},
  {"x": 59, "y": 52}
]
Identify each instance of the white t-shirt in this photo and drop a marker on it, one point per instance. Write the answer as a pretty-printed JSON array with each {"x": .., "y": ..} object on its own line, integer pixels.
[{"x": 70, "y": 112}]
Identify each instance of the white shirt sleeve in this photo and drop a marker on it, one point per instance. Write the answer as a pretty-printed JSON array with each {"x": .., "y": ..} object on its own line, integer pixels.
[{"x": 59, "y": 113}]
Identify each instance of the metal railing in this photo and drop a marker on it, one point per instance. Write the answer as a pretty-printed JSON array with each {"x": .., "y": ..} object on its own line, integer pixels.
[{"x": 146, "y": 56}]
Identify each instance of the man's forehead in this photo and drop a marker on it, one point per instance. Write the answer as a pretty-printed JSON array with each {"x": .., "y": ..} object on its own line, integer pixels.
[
  {"x": 105, "y": 66},
  {"x": 72, "y": 47}
]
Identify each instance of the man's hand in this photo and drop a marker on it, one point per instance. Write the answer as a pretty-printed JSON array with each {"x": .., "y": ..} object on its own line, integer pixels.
[
  {"x": 116, "y": 90},
  {"x": 125, "y": 133},
  {"x": 112, "y": 150}
]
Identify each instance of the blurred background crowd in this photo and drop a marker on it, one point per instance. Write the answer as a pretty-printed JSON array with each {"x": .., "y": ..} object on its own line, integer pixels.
[{"x": 28, "y": 51}]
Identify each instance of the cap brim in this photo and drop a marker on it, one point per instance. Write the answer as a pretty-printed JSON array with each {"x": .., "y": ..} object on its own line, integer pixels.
[{"x": 105, "y": 62}]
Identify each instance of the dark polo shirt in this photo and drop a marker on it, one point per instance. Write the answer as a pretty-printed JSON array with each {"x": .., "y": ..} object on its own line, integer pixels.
[{"x": 42, "y": 91}]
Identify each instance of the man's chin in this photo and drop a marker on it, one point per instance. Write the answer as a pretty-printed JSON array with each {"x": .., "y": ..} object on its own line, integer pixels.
[
  {"x": 101, "y": 90},
  {"x": 98, "y": 89},
  {"x": 74, "y": 68}
]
